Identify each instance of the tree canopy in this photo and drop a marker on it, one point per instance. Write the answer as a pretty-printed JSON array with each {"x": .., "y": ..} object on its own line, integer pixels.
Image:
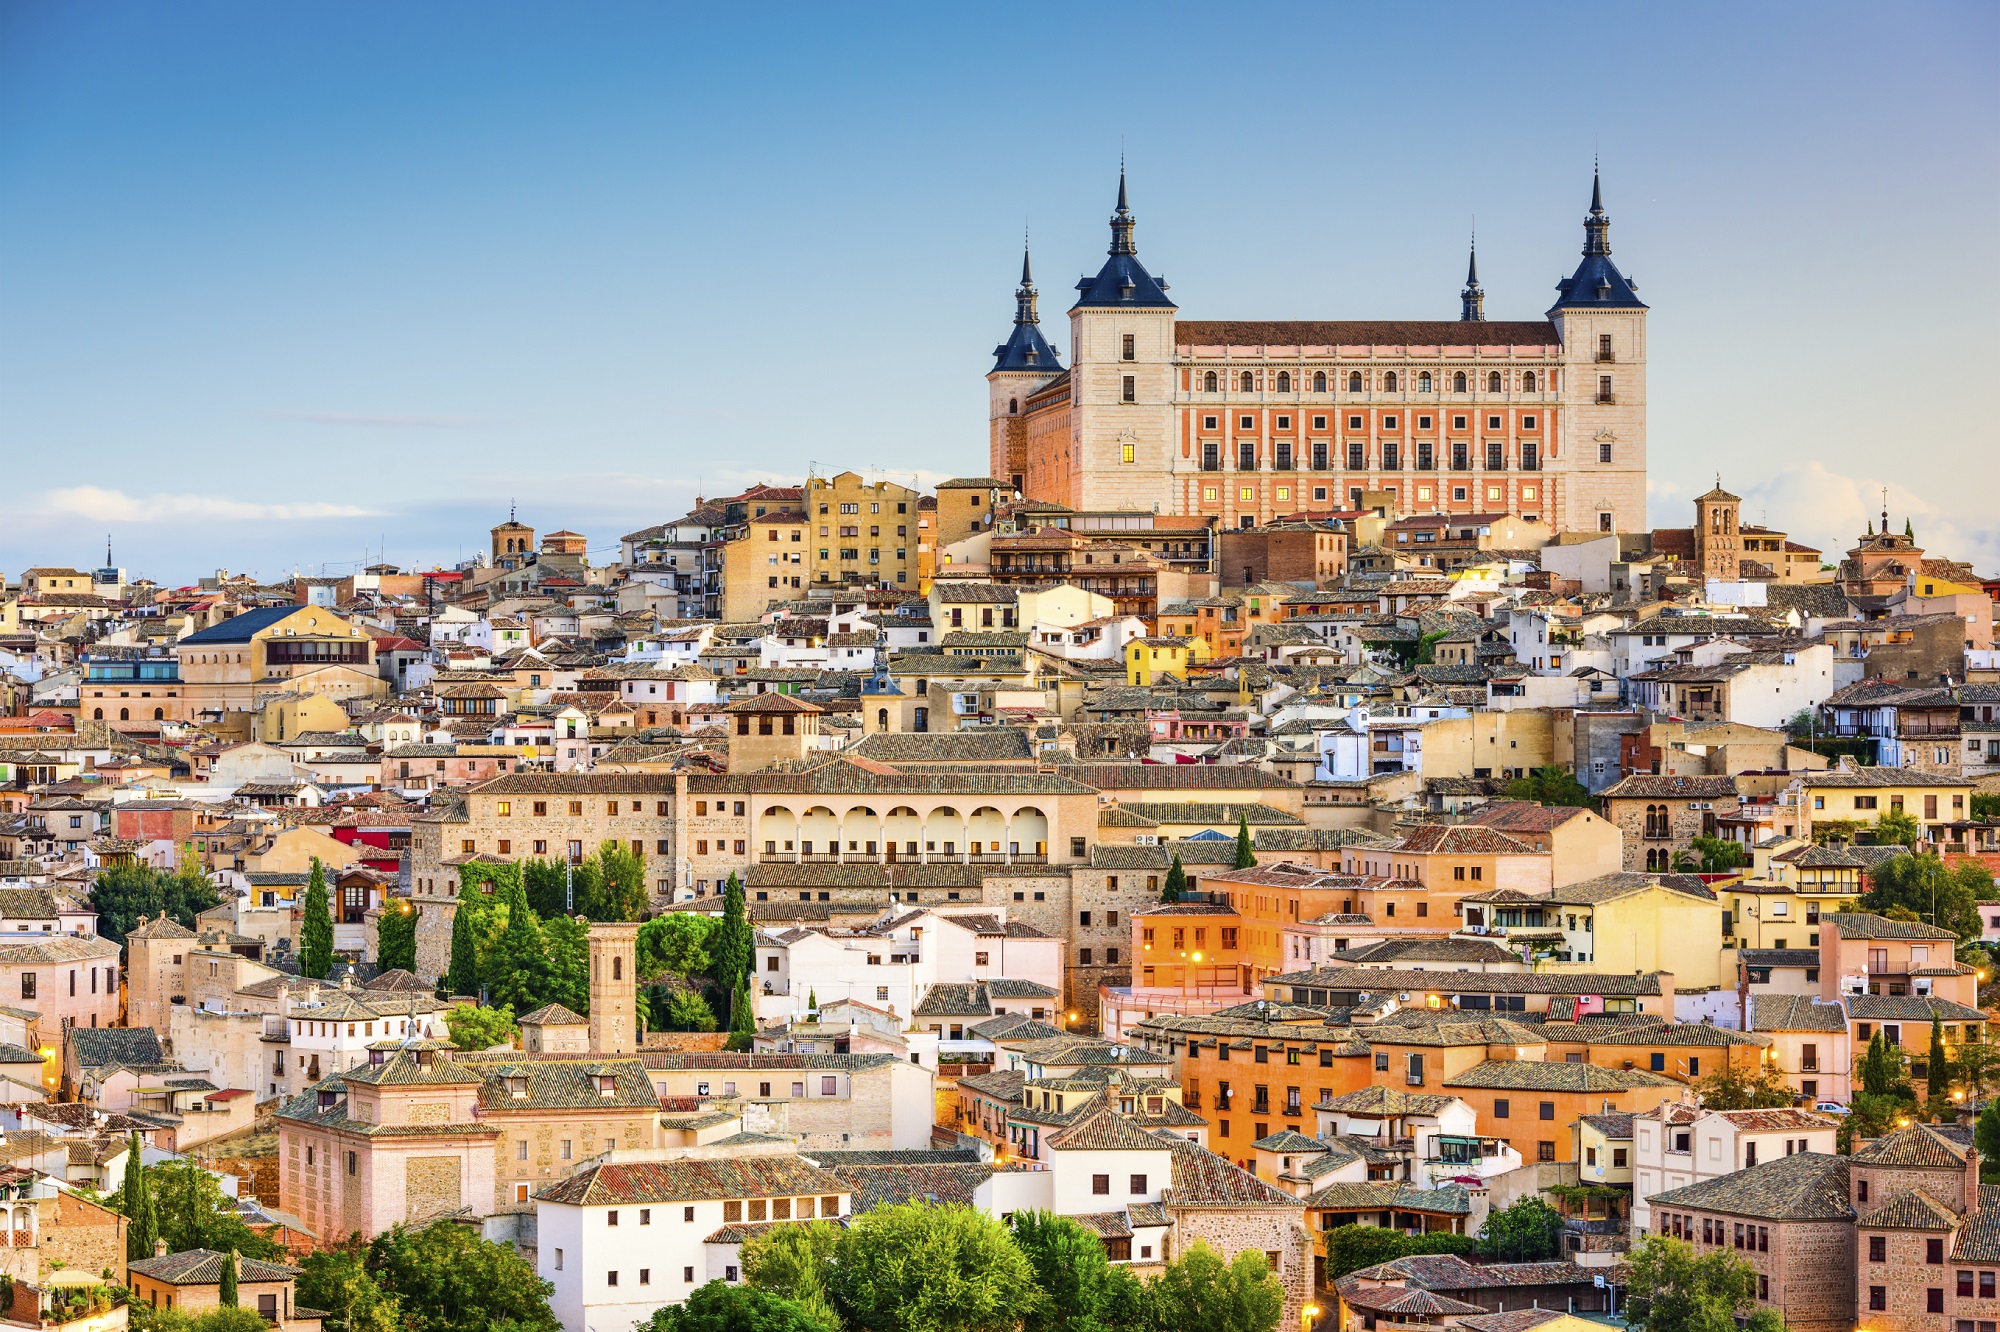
[
  {"x": 1673, "y": 1290},
  {"x": 396, "y": 935},
  {"x": 476, "y": 1028},
  {"x": 1246, "y": 855},
  {"x": 447, "y": 1279},
  {"x": 1709, "y": 855},
  {"x": 1528, "y": 1231},
  {"x": 1551, "y": 785},
  {"x": 1946, "y": 896},
  {"x": 316, "y": 925},
  {"x": 1733, "y": 1088},
  {"x": 124, "y": 893}
]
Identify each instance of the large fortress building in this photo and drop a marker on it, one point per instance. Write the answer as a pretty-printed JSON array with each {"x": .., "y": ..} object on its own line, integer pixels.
[{"x": 1252, "y": 420}]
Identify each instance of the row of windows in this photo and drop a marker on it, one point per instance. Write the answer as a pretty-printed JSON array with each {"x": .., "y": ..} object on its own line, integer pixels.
[
  {"x": 1424, "y": 456},
  {"x": 1495, "y": 494},
  {"x": 1390, "y": 421},
  {"x": 1392, "y": 382}
]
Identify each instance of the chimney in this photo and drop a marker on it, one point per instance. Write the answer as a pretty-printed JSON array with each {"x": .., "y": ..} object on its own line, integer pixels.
[
  {"x": 1972, "y": 1181},
  {"x": 159, "y": 1248}
]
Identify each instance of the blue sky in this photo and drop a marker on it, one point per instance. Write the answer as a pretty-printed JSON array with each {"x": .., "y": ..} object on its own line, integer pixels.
[{"x": 283, "y": 284}]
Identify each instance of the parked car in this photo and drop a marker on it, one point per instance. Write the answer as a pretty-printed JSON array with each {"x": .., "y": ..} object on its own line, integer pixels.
[{"x": 1830, "y": 1107}]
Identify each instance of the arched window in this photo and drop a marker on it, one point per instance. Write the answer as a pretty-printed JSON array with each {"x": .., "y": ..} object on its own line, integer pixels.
[
  {"x": 881, "y": 719},
  {"x": 1493, "y": 382},
  {"x": 1013, "y": 406},
  {"x": 617, "y": 968},
  {"x": 1284, "y": 381},
  {"x": 1424, "y": 382},
  {"x": 1319, "y": 381},
  {"x": 1247, "y": 382},
  {"x": 1458, "y": 382},
  {"x": 1389, "y": 382},
  {"x": 159, "y": 714},
  {"x": 97, "y": 714},
  {"x": 1354, "y": 382},
  {"x": 1208, "y": 382},
  {"x": 1528, "y": 381},
  {"x": 124, "y": 714}
]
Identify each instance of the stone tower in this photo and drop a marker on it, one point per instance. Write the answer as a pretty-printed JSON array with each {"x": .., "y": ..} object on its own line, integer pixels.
[
  {"x": 513, "y": 543},
  {"x": 614, "y": 1028},
  {"x": 1602, "y": 323},
  {"x": 1472, "y": 300},
  {"x": 1122, "y": 439},
  {"x": 1718, "y": 544},
  {"x": 1021, "y": 364}
]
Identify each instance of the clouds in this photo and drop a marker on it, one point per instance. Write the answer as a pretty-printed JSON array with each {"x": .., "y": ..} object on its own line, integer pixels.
[
  {"x": 1826, "y": 509},
  {"x": 101, "y": 505}
]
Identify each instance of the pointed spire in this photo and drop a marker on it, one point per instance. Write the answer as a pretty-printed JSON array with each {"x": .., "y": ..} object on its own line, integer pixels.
[
  {"x": 1472, "y": 301},
  {"x": 1122, "y": 221},
  {"x": 1027, "y": 268},
  {"x": 1597, "y": 226},
  {"x": 1025, "y": 295}
]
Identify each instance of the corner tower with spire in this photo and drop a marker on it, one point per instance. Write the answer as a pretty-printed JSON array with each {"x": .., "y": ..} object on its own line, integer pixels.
[
  {"x": 1472, "y": 301},
  {"x": 1602, "y": 324},
  {"x": 1023, "y": 364},
  {"x": 1122, "y": 443}
]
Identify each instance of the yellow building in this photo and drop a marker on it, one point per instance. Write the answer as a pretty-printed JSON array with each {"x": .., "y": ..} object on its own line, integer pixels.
[
  {"x": 1790, "y": 885},
  {"x": 278, "y": 649},
  {"x": 286, "y": 715},
  {"x": 1150, "y": 661},
  {"x": 767, "y": 564},
  {"x": 1863, "y": 795},
  {"x": 1603, "y": 1148},
  {"x": 861, "y": 533},
  {"x": 1627, "y": 923}
]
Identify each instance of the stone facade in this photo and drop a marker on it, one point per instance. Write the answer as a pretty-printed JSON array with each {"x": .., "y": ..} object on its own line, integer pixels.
[{"x": 1659, "y": 817}]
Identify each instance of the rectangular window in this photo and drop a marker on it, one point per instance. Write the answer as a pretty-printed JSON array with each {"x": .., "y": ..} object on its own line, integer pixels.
[
  {"x": 1501, "y": 1108},
  {"x": 1878, "y": 1247},
  {"x": 1130, "y": 389},
  {"x": 1548, "y": 1110},
  {"x": 1131, "y": 348}
]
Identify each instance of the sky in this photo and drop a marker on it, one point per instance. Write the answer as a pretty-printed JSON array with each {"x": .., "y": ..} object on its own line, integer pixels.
[{"x": 291, "y": 287}]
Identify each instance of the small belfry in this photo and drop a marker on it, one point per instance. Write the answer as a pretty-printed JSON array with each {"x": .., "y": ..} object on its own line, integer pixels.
[{"x": 1472, "y": 301}]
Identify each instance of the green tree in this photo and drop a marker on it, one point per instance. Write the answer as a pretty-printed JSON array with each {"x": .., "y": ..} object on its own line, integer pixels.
[
  {"x": 791, "y": 1262},
  {"x": 1673, "y": 1290},
  {"x": 1246, "y": 855},
  {"x": 1986, "y": 804},
  {"x": 566, "y": 969},
  {"x": 476, "y": 1028},
  {"x": 742, "y": 1016},
  {"x": 918, "y": 1267},
  {"x": 1986, "y": 1133},
  {"x": 1802, "y": 726},
  {"x": 1128, "y": 1304},
  {"x": 229, "y": 1318},
  {"x": 688, "y": 1011},
  {"x": 721, "y": 1307},
  {"x": 515, "y": 968},
  {"x": 618, "y": 888},
  {"x": 316, "y": 928},
  {"x": 734, "y": 951},
  {"x": 121, "y": 895},
  {"x": 462, "y": 976},
  {"x": 1870, "y": 1115},
  {"x": 336, "y": 1279},
  {"x": 1072, "y": 1274},
  {"x": 1199, "y": 1290},
  {"x": 396, "y": 936},
  {"x": 193, "y": 1212},
  {"x": 448, "y": 1279},
  {"x": 812, "y": 1000},
  {"x": 1529, "y": 1231},
  {"x": 1709, "y": 855},
  {"x": 1937, "y": 1067},
  {"x": 1978, "y": 1065},
  {"x": 188, "y": 893},
  {"x": 1176, "y": 882},
  {"x": 1733, "y": 1088},
  {"x": 135, "y": 1200},
  {"x": 546, "y": 883},
  {"x": 226, "y": 1289},
  {"x": 1896, "y": 827},
  {"x": 1551, "y": 785},
  {"x": 679, "y": 942},
  {"x": 1945, "y": 896}
]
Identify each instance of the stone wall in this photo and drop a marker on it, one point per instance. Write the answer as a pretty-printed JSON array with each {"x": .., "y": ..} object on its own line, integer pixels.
[
  {"x": 432, "y": 1186},
  {"x": 1231, "y": 1230}
]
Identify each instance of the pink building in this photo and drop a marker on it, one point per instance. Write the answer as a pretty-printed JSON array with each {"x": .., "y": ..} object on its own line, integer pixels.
[{"x": 67, "y": 978}]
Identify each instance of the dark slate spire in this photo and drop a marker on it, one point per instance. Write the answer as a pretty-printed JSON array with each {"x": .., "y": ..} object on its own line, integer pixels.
[
  {"x": 1123, "y": 280},
  {"x": 1597, "y": 281},
  {"x": 1472, "y": 301},
  {"x": 1597, "y": 226},
  {"x": 1026, "y": 348}
]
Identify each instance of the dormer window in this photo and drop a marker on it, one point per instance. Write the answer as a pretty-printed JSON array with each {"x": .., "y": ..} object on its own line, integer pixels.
[
  {"x": 607, "y": 1085},
  {"x": 327, "y": 1099},
  {"x": 517, "y": 1087}
]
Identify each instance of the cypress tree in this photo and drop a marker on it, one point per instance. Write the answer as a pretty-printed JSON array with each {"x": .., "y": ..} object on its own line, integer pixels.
[
  {"x": 462, "y": 977},
  {"x": 227, "y": 1294},
  {"x": 1246, "y": 858},
  {"x": 735, "y": 949},
  {"x": 1176, "y": 882},
  {"x": 316, "y": 930},
  {"x": 742, "y": 1016},
  {"x": 136, "y": 1201},
  {"x": 1938, "y": 1075}
]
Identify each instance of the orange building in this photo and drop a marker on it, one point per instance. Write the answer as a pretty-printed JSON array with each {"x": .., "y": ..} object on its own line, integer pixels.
[{"x": 1530, "y": 1104}]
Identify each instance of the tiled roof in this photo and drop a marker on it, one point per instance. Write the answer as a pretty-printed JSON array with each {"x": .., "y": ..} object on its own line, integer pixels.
[
  {"x": 1908, "y": 1008},
  {"x": 1289, "y": 1140},
  {"x": 1914, "y": 1210},
  {"x": 1613, "y": 1124},
  {"x": 1780, "y": 957},
  {"x": 993, "y": 744},
  {"x": 1175, "y": 777},
  {"x": 1461, "y": 839},
  {"x": 96, "y": 1047},
  {"x": 1774, "y": 1121},
  {"x": 1795, "y": 1012},
  {"x": 1862, "y": 925},
  {"x": 1363, "y": 333},
  {"x": 553, "y": 1015},
  {"x": 1385, "y": 1194},
  {"x": 1374, "y": 1100},
  {"x": 203, "y": 1267},
  {"x": 1805, "y": 1186},
  {"x": 1102, "y": 1129},
  {"x": 1979, "y": 1238},
  {"x": 1646, "y": 786},
  {"x": 944, "y": 1181},
  {"x": 1623, "y": 883},
  {"x": 1471, "y": 982},
  {"x": 694, "y": 1180},
  {"x": 1536, "y": 1075},
  {"x": 1448, "y": 1271},
  {"x": 1875, "y": 778},
  {"x": 1511, "y": 1320},
  {"x": 1919, "y": 1145},
  {"x": 1203, "y": 1179},
  {"x": 1406, "y": 1303}
]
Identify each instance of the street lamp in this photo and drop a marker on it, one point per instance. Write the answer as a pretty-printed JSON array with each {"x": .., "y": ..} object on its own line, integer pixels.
[{"x": 1306, "y": 1316}]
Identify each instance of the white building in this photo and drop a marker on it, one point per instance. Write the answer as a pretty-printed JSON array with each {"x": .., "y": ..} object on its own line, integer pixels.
[
  {"x": 898, "y": 961},
  {"x": 637, "y": 1231},
  {"x": 1676, "y": 1144}
]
